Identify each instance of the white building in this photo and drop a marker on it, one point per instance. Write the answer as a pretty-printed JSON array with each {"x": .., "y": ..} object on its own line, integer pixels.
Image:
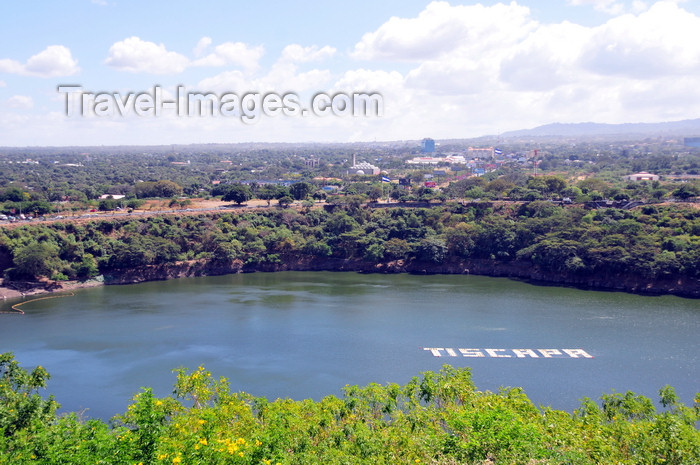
[
  {"x": 362, "y": 167},
  {"x": 643, "y": 176}
]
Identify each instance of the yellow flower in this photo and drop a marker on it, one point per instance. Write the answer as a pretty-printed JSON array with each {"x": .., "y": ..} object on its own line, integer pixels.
[
  {"x": 203, "y": 441},
  {"x": 177, "y": 460},
  {"x": 201, "y": 422},
  {"x": 267, "y": 462},
  {"x": 240, "y": 454},
  {"x": 258, "y": 443},
  {"x": 159, "y": 402},
  {"x": 162, "y": 456},
  {"x": 240, "y": 441}
]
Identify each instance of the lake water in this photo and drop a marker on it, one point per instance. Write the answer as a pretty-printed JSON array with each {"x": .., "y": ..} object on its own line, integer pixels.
[{"x": 306, "y": 335}]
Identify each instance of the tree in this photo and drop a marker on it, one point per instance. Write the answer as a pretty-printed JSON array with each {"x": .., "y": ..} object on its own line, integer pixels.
[
  {"x": 686, "y": 191},
  {"x": 285, "y": 201},
  {"x": 374, "y": 253},
  {"x": 167, "y": 189},
  {"x": 21, "y": 407},
  {"x": 238, "y": 193},
  {"x": 35, "y": 259},
  {"x": 374, "y": 193},
  {"x": 268, "y": 192},
  {"x": 592, "y": 184},
  {"x": 432, "y": 249},
  {"x": 13, "y": 194},
  {"x": 319, "y": 195},
  {"x": 397, "y": 249},
  {"x": 499, "y": 187},
  {"x": 546, "y": 184},
  {"x": 307, "y": 204},
  {"x": 106, "y": 205},
  {"x": 300, "y": 190},
  {"x": 163, "y": 188}
]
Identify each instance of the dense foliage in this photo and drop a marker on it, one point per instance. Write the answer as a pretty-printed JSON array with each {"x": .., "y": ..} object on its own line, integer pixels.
[
  {"x": 52, "y": 179},
  {"x": 437, "y": 418},
  {"x": 648, "y": 242}
]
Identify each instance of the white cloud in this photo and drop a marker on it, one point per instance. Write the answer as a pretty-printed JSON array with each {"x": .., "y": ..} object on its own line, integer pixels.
[
  {"x": 11, "y": 66},
  {"x": 202, "y": 45},
  {"x": 232, "y": 53},
  {"x": 546, "y": 58},
  {"x": 441, "y": 29},
  {"x": 3, "y": 84},
  {"x": 22, "y": 102},
  {"x": 280, "y": 79},
  {"x": 489, "y": 68},
  {"x": 53, "y": 61},
  {"x": 298, "y": 54},
  {"x": 283, "y": 76},
  {"x": 450, "y": 71},
  {"x": 661, "y": 41},
  {"x": 139, "y": 56},
  {"x": 612, "y": 7}
]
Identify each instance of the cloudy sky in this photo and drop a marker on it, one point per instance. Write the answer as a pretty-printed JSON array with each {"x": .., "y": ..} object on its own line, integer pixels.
[{"x": 444, "y": 69}]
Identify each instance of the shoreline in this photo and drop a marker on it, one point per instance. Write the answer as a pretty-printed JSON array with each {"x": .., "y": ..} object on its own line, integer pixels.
[
  {"x": 51, "y": 287},
  {"x": 679, "y": 286}
]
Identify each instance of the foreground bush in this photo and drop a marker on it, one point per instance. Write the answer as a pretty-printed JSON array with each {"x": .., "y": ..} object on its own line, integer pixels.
[{"x": 437, "y": 418}]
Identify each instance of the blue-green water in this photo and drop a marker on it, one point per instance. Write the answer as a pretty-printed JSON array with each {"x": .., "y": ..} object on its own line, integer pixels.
[{"x": 303, "y": 334}]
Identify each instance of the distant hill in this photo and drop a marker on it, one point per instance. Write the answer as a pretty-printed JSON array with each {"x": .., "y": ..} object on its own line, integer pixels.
[{"x": 688, "y": 128}]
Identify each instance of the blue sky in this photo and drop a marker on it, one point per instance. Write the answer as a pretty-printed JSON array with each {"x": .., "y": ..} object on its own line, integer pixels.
[{"x": 445, "y": 70}]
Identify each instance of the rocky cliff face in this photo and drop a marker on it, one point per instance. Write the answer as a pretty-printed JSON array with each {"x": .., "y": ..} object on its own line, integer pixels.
[{"x": 676, "y": 285}]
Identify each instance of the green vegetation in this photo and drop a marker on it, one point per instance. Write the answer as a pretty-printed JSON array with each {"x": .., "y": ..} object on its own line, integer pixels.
[
  {"x": 40, "y": 181},
  {"x": 648, "y": 243},
  {"x": 437, "y": 418}
]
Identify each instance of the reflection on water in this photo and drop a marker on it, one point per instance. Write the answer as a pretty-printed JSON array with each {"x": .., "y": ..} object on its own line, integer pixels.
[{"x": 306, "y": 335}]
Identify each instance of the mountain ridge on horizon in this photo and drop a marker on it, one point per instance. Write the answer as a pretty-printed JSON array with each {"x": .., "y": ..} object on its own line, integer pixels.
[{"x": 687, "y": 128}]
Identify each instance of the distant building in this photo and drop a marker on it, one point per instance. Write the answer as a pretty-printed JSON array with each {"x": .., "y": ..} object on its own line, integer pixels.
[
  {"x": 428, "y": 146},
  {"x": 474, "y": 152},
  {"x": 643, "y": 176},
  {"x": 362, "y": 167},
  {"x": 451, "y": 159}
]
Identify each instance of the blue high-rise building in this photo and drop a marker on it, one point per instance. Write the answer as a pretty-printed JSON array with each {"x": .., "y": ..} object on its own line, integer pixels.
[{"x": 428, "y": 146}]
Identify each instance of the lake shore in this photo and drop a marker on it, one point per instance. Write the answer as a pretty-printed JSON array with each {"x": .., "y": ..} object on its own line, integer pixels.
[
  {"x": 10, "y": 291},
  {"x": 681, "y": 286}
]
